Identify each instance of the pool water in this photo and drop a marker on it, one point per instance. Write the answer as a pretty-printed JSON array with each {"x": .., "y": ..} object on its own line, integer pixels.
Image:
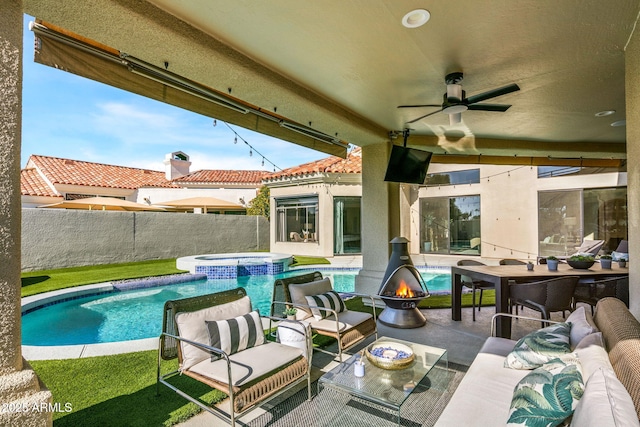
[{"x": 137, "y": 314}]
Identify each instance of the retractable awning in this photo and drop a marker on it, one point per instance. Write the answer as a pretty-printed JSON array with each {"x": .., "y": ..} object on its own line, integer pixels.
[{"x": 86, "y": 58}]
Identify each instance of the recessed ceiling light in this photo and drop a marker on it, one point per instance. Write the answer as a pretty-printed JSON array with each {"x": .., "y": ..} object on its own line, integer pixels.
[
  {"x": 605, "y": 113},
  {"x": 416, "y": 18},
  {"x": 619, "y": 123}
]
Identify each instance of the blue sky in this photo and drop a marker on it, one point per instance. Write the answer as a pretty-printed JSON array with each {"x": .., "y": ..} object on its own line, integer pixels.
[{"x": 72, "y": 117}]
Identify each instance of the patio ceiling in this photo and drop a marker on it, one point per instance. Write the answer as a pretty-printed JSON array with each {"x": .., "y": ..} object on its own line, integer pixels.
[{"x": 343, "y": 67}]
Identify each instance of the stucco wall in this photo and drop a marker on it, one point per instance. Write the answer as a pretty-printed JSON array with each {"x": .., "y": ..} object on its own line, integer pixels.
[
  {"x": 54, "y": 238},
  {"x": 508, "y": 204}
]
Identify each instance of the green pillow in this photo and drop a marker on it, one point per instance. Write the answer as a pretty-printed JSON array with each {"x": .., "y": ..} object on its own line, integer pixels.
[
  {"x": 539, "y": 347},
  {"x": 548, "y": 395}
]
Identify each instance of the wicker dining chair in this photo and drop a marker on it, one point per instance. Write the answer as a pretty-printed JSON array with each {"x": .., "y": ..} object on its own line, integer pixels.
[
  {"x": 592, "y": 292},
  {"x": 545, "y": 296}
]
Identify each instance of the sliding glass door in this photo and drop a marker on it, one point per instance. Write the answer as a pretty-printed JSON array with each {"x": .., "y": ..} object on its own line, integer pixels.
[
  {"x": 450, "y": 225},
  {"x": 346, "y": 225}
]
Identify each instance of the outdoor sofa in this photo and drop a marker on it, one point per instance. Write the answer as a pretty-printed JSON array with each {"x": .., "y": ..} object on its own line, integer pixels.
[{"x": 607, "y": 349}]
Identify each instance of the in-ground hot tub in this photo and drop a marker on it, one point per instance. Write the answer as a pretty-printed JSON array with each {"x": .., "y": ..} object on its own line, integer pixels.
[{"x": 230, "y": 266}]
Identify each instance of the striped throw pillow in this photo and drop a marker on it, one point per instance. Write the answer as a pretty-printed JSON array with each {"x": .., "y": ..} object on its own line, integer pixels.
[
  {"x": 235, "y": 335},
  {"x": 329, "y": 299}
]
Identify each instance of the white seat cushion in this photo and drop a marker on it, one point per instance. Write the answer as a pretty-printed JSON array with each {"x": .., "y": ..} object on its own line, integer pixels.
[
  {"x": 592, "y": 354},
  {"x": 346, "y": 321},
  {"x": 498, "y": 346},
  {"x": 484, "y": 394},
  {"x": 605, "y": 403},
  {"x": 192, "y": 326},
  {"x": 250, "y": 364},
  {"x": 581, "y": 326}
]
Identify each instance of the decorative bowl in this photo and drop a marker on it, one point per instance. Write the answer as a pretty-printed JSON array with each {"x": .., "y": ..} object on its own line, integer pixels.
[
  {"x": 390, "y": 355},
  {"x": 581, "y": 265}
]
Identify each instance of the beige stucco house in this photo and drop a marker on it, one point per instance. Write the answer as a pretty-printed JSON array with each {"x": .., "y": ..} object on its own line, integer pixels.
[{"x": 484, "y": 211}]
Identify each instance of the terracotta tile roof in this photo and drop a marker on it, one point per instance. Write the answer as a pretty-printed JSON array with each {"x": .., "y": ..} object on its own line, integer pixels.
[
  {"x": 32, "y": 184},
  {"x": 333, "y": 164},
  {"x": 76, "y": 172},
  {"x": 224, "y": 176}
]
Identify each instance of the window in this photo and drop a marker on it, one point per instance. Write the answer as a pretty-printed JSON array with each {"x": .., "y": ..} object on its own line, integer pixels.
[
  {"x": 551, "y": 171},
  {"x": 450, "y": 225},
  {"x": 346, "y": 225},
  {"x": 297, "y": 219},
  {"x": 565, "y": 218},
  {"x": 471, "y": 176}
]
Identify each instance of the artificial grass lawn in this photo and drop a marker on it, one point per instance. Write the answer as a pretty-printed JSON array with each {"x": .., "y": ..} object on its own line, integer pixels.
[
  {"x": 119, "y": 390},
  {"x": 36, "y": 282},
  {"x": 308, "y": 260},
  {"x": 444, "y": 301}
]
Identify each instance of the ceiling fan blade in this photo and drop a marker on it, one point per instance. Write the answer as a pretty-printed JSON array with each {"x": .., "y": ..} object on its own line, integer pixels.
[
  {"x": 422, "y": 117},
  {"x": 491, "y": 94},
  {"x": 489, "y": 107},
  {"x": 418, "y": 106}
]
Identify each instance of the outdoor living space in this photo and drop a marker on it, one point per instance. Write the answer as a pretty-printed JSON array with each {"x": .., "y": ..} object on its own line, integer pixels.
[
  {"x": 461, "y": 339},
  {"x": 509, "y": 88}
]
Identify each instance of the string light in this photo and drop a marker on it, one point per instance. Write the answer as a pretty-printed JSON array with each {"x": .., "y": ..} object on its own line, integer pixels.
[{"x": 251, "y": 148}]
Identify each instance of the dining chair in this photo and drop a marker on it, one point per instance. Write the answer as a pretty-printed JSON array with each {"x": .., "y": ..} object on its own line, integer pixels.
[
  {"x": 593, "y": 291},
  {"x": 511, "y": 261},
  {"x": 474, "y": 284},
  {"x": 545, "y": 296}
]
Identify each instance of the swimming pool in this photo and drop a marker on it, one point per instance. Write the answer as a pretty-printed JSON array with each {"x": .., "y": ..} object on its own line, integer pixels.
[{"x": 136, "y": 314}]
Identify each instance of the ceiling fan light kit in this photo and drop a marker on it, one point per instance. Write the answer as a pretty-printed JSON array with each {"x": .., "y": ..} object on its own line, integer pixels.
[{"x": 455, "y": 101}]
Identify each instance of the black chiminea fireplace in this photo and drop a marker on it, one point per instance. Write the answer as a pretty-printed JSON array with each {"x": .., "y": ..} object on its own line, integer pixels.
[{"x": 402, "y": 289}]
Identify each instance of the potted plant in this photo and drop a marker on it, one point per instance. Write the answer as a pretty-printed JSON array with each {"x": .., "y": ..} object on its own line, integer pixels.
[
  {"x": 529, "y": 266},
  {"x": 622, "y": 262},
  {"x": 290, "y": 312},
  {"x": 581, "y": 262},
  {"x": 605, "y": 261},
  {"x": 552, "y": 263}
]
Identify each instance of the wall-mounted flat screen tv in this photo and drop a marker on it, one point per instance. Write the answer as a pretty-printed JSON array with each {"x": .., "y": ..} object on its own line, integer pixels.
[{"x": 407, "y": 165}]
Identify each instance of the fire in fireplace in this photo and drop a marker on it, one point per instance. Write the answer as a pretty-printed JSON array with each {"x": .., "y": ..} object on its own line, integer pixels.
[{"x": 402, "y": 289}]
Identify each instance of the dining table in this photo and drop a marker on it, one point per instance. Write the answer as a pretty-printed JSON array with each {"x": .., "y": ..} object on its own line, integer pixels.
[{"x": 502, "y": 275}]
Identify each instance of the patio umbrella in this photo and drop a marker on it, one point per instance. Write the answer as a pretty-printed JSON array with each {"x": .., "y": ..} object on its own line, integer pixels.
[
  {"x": 204, "y": 203},
  {"x": 102, "y": 204}
]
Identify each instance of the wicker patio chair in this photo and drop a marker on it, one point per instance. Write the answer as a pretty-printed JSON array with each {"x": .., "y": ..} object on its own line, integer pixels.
[
  {"x": 348, "y": 327},
  {"x": 545, "y": 296},
  {"x": 249, "y": 377},
  {"x": 592, "y": 292}
]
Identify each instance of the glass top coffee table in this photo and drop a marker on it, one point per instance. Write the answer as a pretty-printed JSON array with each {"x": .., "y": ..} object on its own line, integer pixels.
[{"x": 387, "y": 387}]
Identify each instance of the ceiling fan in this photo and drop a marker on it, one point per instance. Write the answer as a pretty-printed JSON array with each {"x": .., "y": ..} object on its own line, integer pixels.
[{"x": 454, "y": 101}]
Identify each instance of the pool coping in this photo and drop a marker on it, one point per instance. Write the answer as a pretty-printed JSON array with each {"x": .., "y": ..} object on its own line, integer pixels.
[{"x": 76, "y": 351}]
